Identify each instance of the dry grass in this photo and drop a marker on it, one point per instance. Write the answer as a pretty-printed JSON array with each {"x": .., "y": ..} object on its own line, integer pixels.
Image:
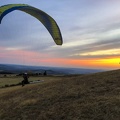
[{"x": 85, "y": 97}]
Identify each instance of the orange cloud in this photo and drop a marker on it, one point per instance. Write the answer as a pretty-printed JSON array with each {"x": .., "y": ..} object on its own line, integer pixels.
[
  {"x": 40, "y": 59},
  {"x": 20, "y": 56},
  {"x": 107, "y": 63}
]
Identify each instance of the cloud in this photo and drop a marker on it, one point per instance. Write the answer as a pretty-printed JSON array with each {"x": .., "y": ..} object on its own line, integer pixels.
[
  {"x": 82, "y": 49},
  {"x": 97, "y": 49},
  {"x": 10, "y": 55}
]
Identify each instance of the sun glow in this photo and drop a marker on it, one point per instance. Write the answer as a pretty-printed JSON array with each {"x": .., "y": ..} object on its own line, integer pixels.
[
  {"x": 108, "y": 63},
  {"x": 111, "y": 61}
]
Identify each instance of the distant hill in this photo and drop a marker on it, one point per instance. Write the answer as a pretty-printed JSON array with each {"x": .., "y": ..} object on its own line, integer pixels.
[
  {"x": 11, "y": 68},
  {"x": 71, "y": 97}
]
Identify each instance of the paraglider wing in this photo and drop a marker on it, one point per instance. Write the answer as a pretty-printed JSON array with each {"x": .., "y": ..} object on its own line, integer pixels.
[{"x": 43, "y": 17}]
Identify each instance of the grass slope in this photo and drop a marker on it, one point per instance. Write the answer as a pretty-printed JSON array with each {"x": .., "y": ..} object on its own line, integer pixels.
[{"x": 84, "y": 97}]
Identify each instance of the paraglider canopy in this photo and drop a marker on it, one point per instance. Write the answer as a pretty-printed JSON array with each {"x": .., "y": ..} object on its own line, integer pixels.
[{"x": 43, "y": 17}]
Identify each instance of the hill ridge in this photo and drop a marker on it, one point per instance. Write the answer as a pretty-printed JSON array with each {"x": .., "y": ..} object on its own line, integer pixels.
[{"x": 85, "y": 97}]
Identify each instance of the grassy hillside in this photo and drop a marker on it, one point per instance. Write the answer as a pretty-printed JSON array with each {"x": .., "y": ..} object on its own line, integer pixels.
[{"x": 84, "y": 97}]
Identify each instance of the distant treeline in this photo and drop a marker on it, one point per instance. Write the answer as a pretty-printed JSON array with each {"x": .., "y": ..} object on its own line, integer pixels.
[
  {"x": 33, "y": 74},
  {"x": 6, "y": 72}
]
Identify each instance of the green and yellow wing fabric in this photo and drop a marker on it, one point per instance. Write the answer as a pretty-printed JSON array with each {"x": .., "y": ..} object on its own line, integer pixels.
[{"x": 43, "y": 17}]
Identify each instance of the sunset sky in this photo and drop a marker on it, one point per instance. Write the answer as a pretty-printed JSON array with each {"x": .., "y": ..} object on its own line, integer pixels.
[{"x": 90, "y": 31}]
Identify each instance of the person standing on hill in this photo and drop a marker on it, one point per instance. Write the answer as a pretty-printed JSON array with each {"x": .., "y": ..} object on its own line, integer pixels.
[{"x": 25, "y": 81}]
